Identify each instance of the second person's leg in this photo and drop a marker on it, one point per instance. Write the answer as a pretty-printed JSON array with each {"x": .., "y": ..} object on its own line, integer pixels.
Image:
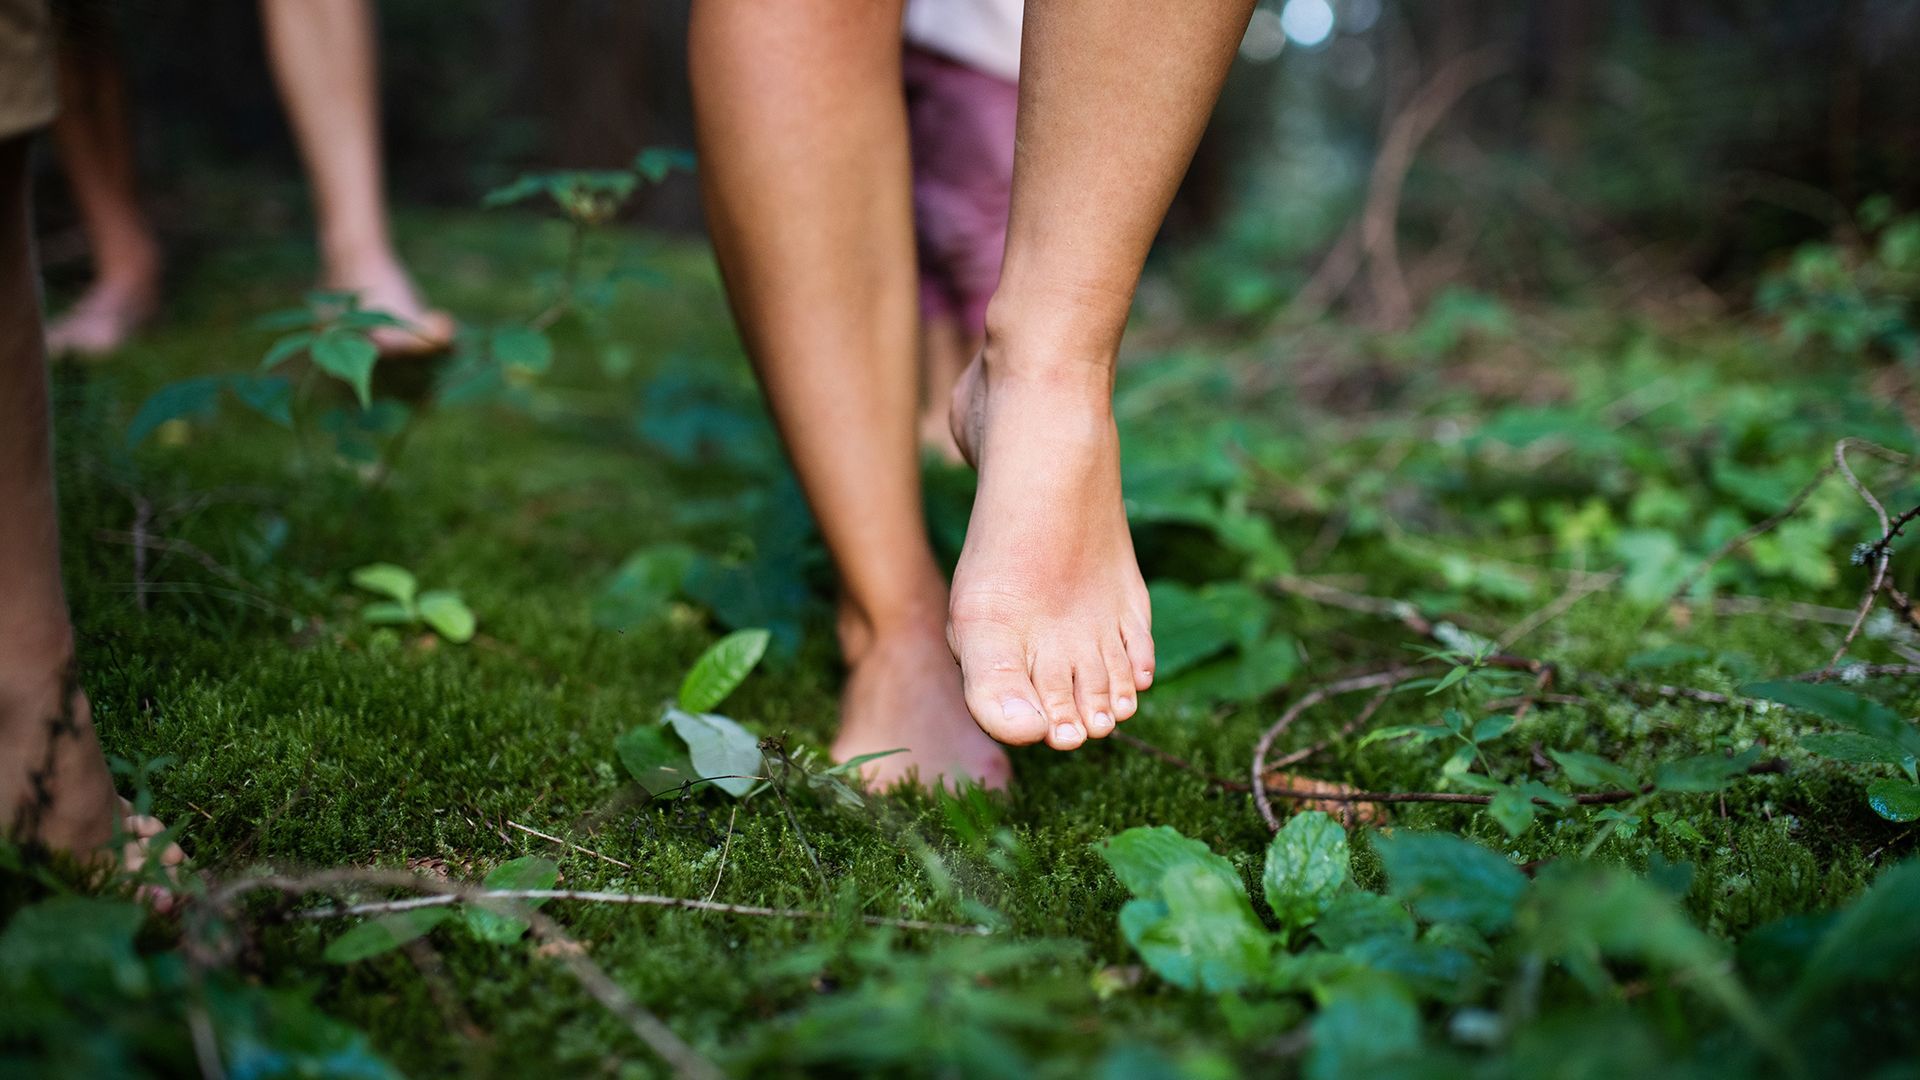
[
  {"x": 803, "y": 159},
  {"x": 1049, "y": 612},
  {"x": 326, "y": 64}
]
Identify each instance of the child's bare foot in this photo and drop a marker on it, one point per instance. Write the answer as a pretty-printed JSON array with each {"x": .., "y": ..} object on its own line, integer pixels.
[
  {"x": 1049, "y": 617},
  {"x": 56, "y": 790},
  {"x": 104, "y": 319},
  {"x": 384, "y": 285},
  {"x": 903, "y": 692}
]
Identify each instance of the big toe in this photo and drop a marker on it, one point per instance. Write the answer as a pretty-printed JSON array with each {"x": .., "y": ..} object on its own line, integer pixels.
[{"x": 999, "y": 694}]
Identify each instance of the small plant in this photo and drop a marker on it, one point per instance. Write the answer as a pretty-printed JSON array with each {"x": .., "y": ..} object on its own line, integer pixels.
[
  {"x": 1860, "y": 298},
  {"x": 498, "y": 922},
  {"x": 440, "y": 610}
]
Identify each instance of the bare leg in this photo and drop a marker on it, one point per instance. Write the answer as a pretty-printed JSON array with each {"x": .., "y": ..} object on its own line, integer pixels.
[
  {"x": 1049, "y": 612},
  {"x": 803, "y": 148},
  {"x": 325, "y": 63},
  {"x": 54, "y": 785},
  {"x": 96, "y": 146},
  {"x": 944, "y": 351}
]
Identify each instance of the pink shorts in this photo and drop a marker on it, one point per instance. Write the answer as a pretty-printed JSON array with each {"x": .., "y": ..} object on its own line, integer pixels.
[{"x": 960, "y": 123}]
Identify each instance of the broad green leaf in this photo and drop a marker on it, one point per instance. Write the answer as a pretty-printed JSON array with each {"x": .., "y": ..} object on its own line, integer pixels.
[
  {"x": 194, "y": 398},
  {"x": 1192, "y": 625},
  {"x": 655, "y": 757},
  {"x": 1449, "y": 879},
  {"x": 1513, "y": 810},
  {"x": 497, "y": 921},
  {"x": 384, "y": 934},
  {"x": 642, "y": 586},
  {"x": 1201, "y": 933},
  {"x": 388, "y": 613},
  {"x": 1667, "y": 657},
  {"x": 1875, "y": 939},
  {"x": 288, "y": 347},
  {"x": 387, "y": 580},
  {"x": 1359, "y": 916},
  {"x": 523, "y": 347},
  {"x": 1843, "y": 707},
  {"x": 269, "y": 395},
  {"x": 1453, "y": 675},
  {"x": 1141, "y": 856},
  {"x": 349, "y": 357},
  {"x": 1895, "y": 800},
  {"x": 1853, "y": 747},
  {"x": 1429, "y": 968},
  {"x": 721, "y": 750},
  {"x": 448, "y": 615},
  {"x": 73, "y": 941},
  {"x": 1491, "y": 727},
  {"x": 1708, "y": 772},
  {"x": 1307, "y": 865},
  {"x": 721, "y": 669},
  {"x": 1365, "y": 1021},
  {"x": 1592, "y": 770}
]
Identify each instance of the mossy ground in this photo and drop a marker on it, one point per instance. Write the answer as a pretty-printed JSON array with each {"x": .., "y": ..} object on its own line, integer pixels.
[{"x": 317, "y": 740}]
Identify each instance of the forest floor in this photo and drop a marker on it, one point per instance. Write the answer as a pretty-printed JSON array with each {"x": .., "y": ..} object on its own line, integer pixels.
[{"x": 1311, "y": 505}]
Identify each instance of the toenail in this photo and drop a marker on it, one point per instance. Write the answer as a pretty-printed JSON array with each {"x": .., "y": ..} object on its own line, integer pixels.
[
  {"x": 1123, "y": 703},
  {"x": 1015, "y": 708},
  {"x": 1101, "y": 719},
  {"x": 1066, "y": 733}
]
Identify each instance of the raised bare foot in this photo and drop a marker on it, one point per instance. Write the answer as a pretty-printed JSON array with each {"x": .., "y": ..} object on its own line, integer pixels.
[
  {"x": 1049, "y": 617},
  {"x": 104, "y": 319},
  {"x": 56, "y": 790},
  {"x": 384, "y": 285},
  {"x": 903, "y": 692}
]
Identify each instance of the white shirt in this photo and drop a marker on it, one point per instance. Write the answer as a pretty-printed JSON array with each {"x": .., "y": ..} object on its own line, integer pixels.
[{"x": 984, "y": 34}]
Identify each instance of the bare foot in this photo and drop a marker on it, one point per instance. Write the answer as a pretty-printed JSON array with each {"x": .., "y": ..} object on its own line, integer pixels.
[
  {"x": 1049, "y": 617},
  {"x": 56, "y": 790},
  {"x": 936, "y": 436},
  {"x": 903, "y": 692},
  {"x": 384, "y": 285},
  {"x": 104, "y": 319}
]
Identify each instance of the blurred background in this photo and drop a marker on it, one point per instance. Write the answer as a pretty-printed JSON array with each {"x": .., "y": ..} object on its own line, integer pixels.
[{"x": 1537, "y": 144}]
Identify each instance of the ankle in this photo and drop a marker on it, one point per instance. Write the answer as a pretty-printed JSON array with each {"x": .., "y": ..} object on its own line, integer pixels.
[
  {"x": 859, "y": 627},
  {"x": 355, "y": 258}
]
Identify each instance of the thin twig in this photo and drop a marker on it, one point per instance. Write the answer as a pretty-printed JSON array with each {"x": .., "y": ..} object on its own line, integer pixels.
[
  {"x": 1885, "y": 555},
  {"x": 1370, "y": 681},
  {"x": 377, "y": 907},
  {"x": 1576, "y": 592},
  {"x": 511, "y": 824},
  {"x": 724, "y": 848}
]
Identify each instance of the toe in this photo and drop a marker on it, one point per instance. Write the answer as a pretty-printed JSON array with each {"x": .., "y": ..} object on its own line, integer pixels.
[
  {"x": 1054, "y": 680},
  {"x": 1139, "y": 645},
  {"x": 1120, "y": 679},
  {"x": 999, "y": 694},
  {"x": 1093, "y": 692}
]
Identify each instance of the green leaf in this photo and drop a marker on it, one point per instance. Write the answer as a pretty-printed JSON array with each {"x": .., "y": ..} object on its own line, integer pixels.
[
  {"x": 1512, "y": 810},
  {"x": 495, "y": 921},
  {"x": 349, "y": 357},
  {"x": 388, "y": 613},
  {"x": 642, "y": 586},
  {"x": 387, "y": 580},
  {"x": 524, "y": 348},
  {"x": 1365, "y": 1021},
  {"x": 1453, "y": 675},
  {"x": 1708, "y": 772},
  {"x": 269, "y": 395},
  {"x": 448, "y": 615},
  {"x": 1143, "y": 855},
  {"x": 1307, "y": 865},
  {"x": 288, "y": 347},
  {"x": 721, "y": 669},
  {"x": 655, "y": 162},
  {"x": 655, "y": 757},
  {"x": 195, "y": 398},
  {"x": 384, "y": 934},
  {"x": 1360, "y": 916},
  {"x": 1200, "y": 933},
  {"x": 721, "y": 750},
  {"x": 1850, "y": 710},
  {"x": 1491, "y": 727},
  {"x": 1592, "y": 770},
  {"x": 1448, "y": 879},
  {"x": 1895, "y": 800},
  {"x": 1192, "y": 625},
  {"x": 1853, "y": 747}
]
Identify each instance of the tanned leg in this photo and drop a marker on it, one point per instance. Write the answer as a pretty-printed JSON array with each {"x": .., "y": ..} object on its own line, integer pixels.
[
  {"x": 55, "y": 789},
  {"x": 95, "y": 140},
  {"x": 803, "y": 157},
  {"x": 945, "y": 349},
  {"x": 1049, "y": 613},
  {"x": 326, "y": 65}
]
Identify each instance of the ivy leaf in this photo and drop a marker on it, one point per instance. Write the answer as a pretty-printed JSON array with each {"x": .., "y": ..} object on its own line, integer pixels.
[
  {"x": 1843, "y": 707},
  {"x": 721, "y": 750},
  {"x": 448, "y": 615},
  {"x": 387, "y": 580},
  {"x": 1141, "y": 856},
  {"x": 1307, "y": 863},
  {"x": 721, "y": 669},
  {"x": 384, "y": 934},
  {"x": 655, "y": 758},
  {"x": 1895, "y": 800},
  {"x": 1200, "y": 933},
  {"x": 349, "y": 357},
  {"x": 197, "y": 397},
  {"x": 493, "y": 920},
  {"x": 1448, "y": 879},
  {"x": 1592, "y": 770}
]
